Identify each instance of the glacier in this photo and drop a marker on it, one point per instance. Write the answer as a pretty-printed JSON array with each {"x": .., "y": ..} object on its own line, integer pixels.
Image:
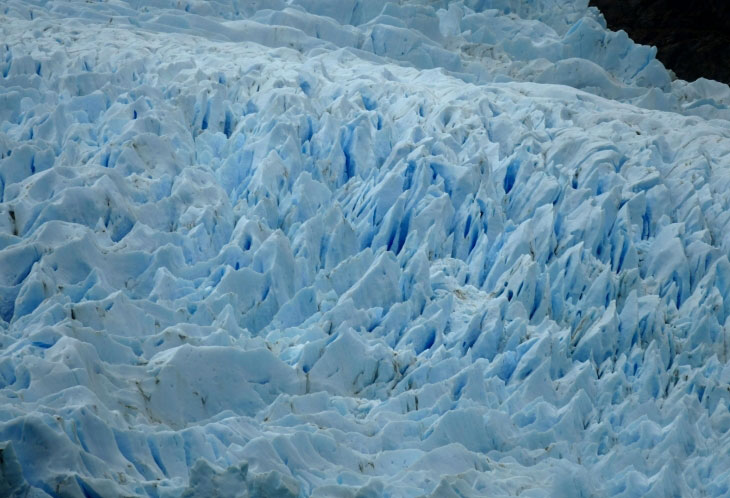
[{"x": 349, "y": 248}]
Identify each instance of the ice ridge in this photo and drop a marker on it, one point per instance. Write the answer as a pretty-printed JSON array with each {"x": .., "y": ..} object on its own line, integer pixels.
[{"x": 357, "y": 249}]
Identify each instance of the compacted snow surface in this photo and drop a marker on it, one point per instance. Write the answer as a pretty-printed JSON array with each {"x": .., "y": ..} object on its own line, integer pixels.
[{"x": 345, "y": 248}]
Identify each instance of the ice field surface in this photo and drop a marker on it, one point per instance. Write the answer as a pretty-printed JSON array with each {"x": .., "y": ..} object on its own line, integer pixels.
[{"x": 343, "y": 248}]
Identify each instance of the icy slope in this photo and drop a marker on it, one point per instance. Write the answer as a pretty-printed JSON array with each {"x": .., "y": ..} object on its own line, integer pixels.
[{"x": 357, "y": 249}]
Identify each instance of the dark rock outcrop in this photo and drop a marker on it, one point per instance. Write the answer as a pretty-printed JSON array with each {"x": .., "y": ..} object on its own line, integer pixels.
[{"x": 693, "y": 38}]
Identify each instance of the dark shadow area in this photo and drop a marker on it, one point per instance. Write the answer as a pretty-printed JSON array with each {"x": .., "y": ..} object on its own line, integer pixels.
[{"x": 692, "y": 38}]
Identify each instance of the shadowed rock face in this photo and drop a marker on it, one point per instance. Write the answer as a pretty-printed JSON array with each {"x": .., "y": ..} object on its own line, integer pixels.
[{"x": 692, "y": 37}]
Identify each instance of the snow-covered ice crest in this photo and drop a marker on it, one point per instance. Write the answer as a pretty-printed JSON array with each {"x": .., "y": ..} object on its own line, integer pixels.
[{"x": 357, "y": 248}]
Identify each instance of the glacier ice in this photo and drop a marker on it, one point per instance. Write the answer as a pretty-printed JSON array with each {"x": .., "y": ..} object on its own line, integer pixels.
[{"x": 357, "y": 249}]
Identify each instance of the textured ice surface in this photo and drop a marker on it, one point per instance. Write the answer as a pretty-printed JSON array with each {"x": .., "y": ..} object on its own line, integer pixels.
[{"x": 357, "y": 248}]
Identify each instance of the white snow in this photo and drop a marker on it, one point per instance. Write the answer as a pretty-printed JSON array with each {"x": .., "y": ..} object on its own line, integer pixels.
[{"x": 357, "y": 249}]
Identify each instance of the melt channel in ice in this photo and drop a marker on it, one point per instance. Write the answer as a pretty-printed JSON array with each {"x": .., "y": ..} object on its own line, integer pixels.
[{"x": 357, "y": 248}]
